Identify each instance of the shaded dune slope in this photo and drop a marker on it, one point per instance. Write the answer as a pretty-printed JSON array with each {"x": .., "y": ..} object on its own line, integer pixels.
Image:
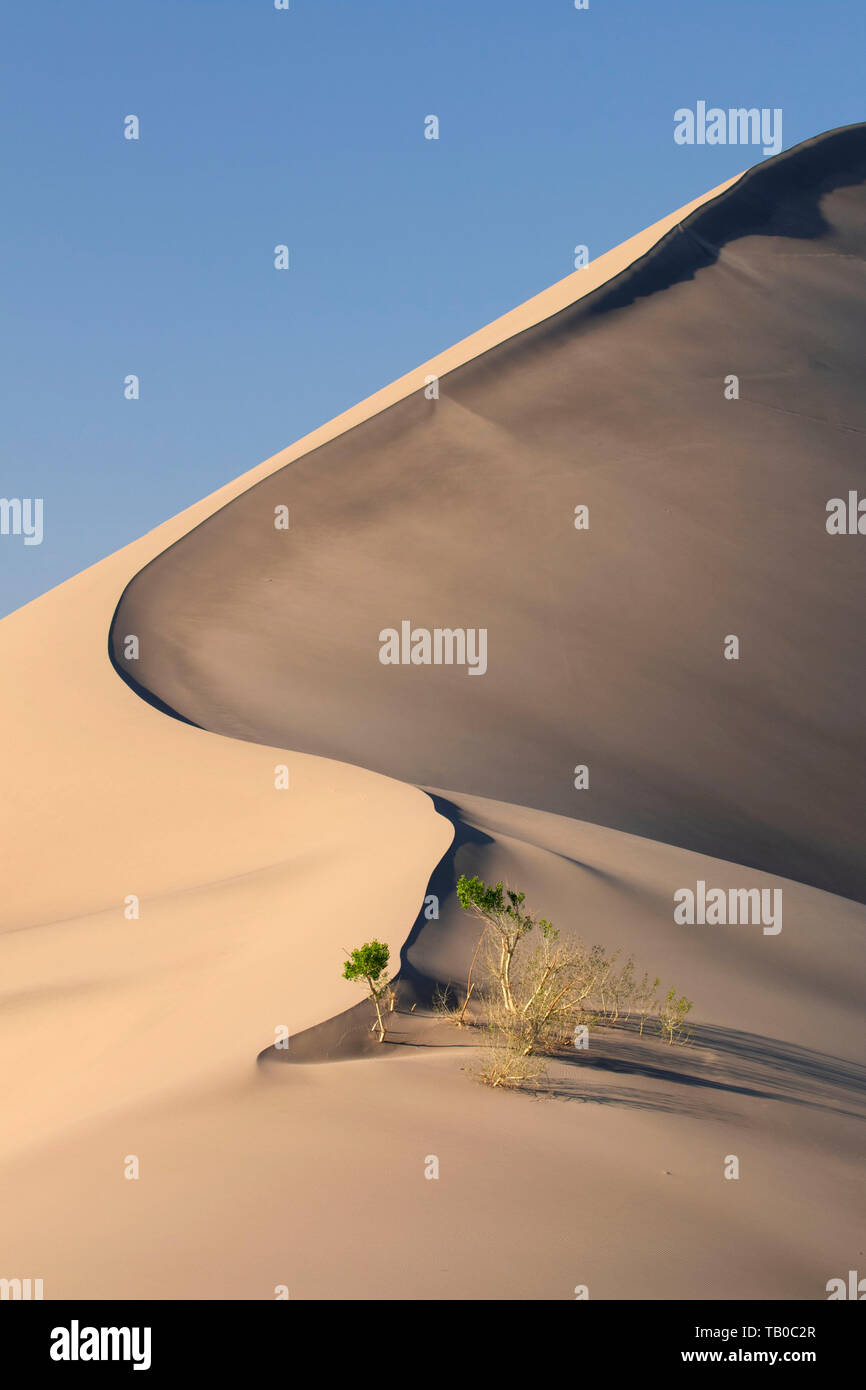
[{"x": 605, "y": 646}]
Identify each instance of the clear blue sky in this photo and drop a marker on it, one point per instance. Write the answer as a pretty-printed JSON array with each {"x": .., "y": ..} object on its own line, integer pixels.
[{"x": 306, "y": 127}]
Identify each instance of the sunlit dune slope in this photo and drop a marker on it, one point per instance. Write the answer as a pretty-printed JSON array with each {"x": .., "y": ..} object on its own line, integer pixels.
[{"x": 248, "y": 894}]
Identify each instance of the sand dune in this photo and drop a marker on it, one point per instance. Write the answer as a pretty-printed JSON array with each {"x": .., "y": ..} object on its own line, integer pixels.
[
  {"x": 706, "y": 518},
  {"x": 154, "y": 1036}
]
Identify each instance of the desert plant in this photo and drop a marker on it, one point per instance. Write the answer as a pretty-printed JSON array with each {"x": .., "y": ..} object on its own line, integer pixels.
[
  {"x": 535, "y": 999},
  {"x": 623, "y": 985},
  {"x": 445, "y": 1005},
  {"x": 369, "y": 964},
  {"x": 553, "y": 987},
  {"x": 502, "y": 912},
  {"x": 672, "y": 1015},
  {"x": 503, "y": 1065},
  {"x": 604, "y": 983},
  {"x": 441, "y": 1001},
  {"x": 470, "y": 983},
  {"x": 549, "y": 988},
  {"x": 645, "y": 999}
]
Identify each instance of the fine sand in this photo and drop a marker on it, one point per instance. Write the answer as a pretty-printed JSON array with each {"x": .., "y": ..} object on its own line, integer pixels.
[{"x": 154, "y": 1036}]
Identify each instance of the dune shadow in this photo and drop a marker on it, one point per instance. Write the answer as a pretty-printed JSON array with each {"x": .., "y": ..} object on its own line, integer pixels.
[
  {"x": 717, "y": 1062},
  {"x": 620, "y": 1068},
  {"x": 142, "y": 691},
  {"x": 418, "y": 987}
]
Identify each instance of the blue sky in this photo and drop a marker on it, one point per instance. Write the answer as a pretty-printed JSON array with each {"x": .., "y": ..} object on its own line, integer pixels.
[{"x": 306, "y": 127}]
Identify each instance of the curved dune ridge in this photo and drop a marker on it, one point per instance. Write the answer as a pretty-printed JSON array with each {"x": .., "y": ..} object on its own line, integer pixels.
[
  {"x": 138, "y": 1036},
  {"x": 605, "y": 646}
]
